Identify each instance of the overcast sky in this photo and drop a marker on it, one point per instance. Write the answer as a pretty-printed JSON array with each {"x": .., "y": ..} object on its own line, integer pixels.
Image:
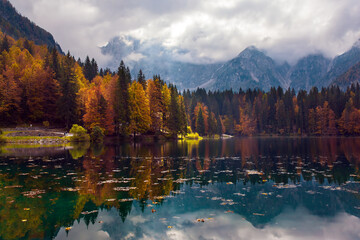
[{"x": 209, "y": 29}]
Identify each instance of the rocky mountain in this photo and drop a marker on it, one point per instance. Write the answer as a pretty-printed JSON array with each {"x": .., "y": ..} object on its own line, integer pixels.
[
  {"x": 17, "y": 26},
  {"x": 351, "y": 76},
  {"x": 154, "y": 59},
  {"x": 252, "y": 68},
  {"x": 342, "y": 64},
  {"x": 308, "y": 71}
]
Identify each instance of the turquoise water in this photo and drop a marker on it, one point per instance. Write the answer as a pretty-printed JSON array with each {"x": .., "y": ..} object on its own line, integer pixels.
[{"x": 239, "y": 188}]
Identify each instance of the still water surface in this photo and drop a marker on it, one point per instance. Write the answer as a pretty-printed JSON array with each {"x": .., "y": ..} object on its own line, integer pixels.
[{"x": 239, "y": 188}]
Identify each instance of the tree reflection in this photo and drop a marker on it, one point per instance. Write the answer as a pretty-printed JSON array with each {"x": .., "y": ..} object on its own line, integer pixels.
[{"x": 39, "y": 195}]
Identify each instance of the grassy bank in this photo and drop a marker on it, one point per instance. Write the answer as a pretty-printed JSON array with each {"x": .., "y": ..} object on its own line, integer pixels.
[
  {"x": 11, "y": 137},
  {"x": 33, "y": 139}
]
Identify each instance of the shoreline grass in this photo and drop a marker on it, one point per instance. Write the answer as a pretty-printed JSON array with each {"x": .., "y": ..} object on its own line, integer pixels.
[{"x": 29, "y": 139}]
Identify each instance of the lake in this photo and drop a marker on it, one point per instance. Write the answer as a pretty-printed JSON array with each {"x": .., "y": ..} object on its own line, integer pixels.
[{"x": 238, "y": 188}]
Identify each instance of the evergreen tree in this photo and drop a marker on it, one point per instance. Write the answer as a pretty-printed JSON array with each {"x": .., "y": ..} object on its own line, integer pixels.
[
  {"x": 67, "y": 103},
  {"x": 121, "y": 102},
  {"x": 28, "y": 46},
  {"x": 219, "y": 128},
  {"x": 200, "y": 124},
  {"x": 54, "y": 64},
  {"x": 5, "y": 46},
  {"x": 87, "y": 69},
  {"x": 183, "y": 116},
  {"x": 141, "y": 79},
  {"x": 212, "y": 124},
  {"x": 174, "y": 121},
  {"x": 94, "y": 69}
]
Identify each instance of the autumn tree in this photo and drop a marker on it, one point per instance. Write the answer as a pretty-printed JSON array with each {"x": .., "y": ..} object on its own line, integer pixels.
[
  {"x": 166, "y": 100},
  {"x": 350, "y": 119},
  {"x": 10, "y": 97},
  {"x": 139, "y": 109},
  {"x": 95, "y": 106},
  {"x": 247, "y": 126},
  {"x": 325, "y": 120},
  {"x": 156, "y": 104},
  {"x": 312, "y": 121}
]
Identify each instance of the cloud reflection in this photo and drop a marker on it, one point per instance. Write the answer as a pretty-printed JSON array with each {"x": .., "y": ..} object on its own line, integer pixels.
[{"x": 290, "y": 225}]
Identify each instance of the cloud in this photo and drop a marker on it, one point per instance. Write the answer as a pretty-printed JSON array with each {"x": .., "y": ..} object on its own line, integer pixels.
[{"x": 210, "y": 30}]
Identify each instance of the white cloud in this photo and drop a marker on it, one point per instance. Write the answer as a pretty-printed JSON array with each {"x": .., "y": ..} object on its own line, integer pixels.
[{"x": 209, "y": 29}]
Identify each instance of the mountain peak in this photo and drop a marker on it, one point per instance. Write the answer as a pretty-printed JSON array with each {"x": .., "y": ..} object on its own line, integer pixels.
[{"x": 249, "y": 52}]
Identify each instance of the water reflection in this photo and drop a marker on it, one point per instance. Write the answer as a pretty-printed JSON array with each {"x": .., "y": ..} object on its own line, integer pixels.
[{"x": 162, "y": 190}]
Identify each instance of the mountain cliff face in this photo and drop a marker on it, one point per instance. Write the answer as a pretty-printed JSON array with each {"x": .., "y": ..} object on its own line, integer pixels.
[
  {"x": 308, "y": 71},
  {"x": 17, "y": 26},
  {"x": 252, "y": 68},
  {"x": 342, "y": 63},
  {"x": 154, "y": 59},
  {"x": 351, "y": 76}
]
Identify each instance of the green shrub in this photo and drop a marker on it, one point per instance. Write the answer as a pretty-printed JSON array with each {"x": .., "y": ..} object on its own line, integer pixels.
[
  {"x": 97, "y": 134},
  {"x": 1, "y": 132},
  {"x": 79, "y": 134}
]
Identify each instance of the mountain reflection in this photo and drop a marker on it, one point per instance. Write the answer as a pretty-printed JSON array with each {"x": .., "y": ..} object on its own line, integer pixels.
[{"x": 256, "y": 178}]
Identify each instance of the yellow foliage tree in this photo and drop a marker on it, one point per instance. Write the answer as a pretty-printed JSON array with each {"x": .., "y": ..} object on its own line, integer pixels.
[{"x": 139, "y": 109}]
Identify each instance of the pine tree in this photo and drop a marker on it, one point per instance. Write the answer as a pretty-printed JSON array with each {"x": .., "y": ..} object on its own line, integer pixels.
[
  {"x": 212, "y": 124},
  {"x": 94, "y": 69},
  {"x": 141, "y": 79},
  {"x": 67, "y": 103},
  {"x": 121, "y": 102},
  {"x": 54, "y": 64},
  {"x": 200, "y": 124},
  {"x": 174, "y": 120},
  {"x": 219, "y": 126},
  {"x": 183, "y": 116},
  {"x": 88, "y": 69},
  {"x": 5, "y": 46}
]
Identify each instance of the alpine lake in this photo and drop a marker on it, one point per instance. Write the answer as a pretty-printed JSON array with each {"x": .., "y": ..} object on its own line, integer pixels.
[{"x": 237, "y": 188}]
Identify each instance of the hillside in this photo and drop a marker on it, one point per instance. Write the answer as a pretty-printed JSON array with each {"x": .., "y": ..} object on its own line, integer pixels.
[
  {"x": 15, "y": 25},
  {"x": 352, "y": 76}
]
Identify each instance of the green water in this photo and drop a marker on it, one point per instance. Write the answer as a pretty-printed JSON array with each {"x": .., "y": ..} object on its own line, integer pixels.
[{"x": 239, "y": 188}]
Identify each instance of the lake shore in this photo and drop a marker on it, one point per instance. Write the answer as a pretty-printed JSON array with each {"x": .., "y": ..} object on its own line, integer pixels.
[{"x": 35, "y": 135}]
